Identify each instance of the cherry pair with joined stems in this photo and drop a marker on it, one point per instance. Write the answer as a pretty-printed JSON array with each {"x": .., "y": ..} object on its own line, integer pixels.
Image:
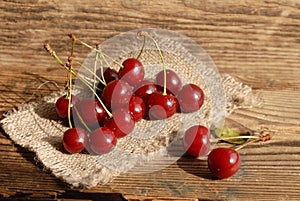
[{"x": 222, "y": 162}]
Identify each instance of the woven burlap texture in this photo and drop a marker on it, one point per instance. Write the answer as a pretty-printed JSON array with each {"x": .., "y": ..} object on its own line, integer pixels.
[{"x": 36, "y": 126}]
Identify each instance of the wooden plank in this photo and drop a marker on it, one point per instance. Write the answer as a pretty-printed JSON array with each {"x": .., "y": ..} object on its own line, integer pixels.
[{"x": 257, "y": 42}]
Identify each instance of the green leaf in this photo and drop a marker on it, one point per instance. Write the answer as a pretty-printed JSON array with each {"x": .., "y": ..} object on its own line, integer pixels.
[{"x": 231, "y": 136}]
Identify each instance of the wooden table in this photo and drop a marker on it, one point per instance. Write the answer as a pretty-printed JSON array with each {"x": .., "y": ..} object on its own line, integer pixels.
[{"x": 256, "y": 42}]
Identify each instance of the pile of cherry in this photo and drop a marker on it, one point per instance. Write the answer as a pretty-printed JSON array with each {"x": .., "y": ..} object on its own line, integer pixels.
[
  {"x": 123, "y": 98},
  {"x": 130, "y": 98}
]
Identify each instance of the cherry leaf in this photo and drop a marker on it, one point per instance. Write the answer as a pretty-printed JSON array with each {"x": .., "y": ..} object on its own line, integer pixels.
[{"x": 228, "y": 135}]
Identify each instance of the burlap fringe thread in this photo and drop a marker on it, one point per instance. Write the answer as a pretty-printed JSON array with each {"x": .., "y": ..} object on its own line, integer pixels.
[{"x": 36, "y": 126}]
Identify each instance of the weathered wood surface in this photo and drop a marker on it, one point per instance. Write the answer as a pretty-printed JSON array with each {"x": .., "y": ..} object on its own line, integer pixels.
[{"x": 257, "y": 42}]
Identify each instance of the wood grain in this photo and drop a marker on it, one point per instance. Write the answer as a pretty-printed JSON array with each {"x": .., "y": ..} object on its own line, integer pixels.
[{"x": 257, "y": 42}]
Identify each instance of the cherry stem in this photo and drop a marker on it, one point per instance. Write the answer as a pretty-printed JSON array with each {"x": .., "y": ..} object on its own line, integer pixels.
[
  {"x": 103, "y": 55},
  {"x": 90, "y": 71},
  {"x": 82, "y": 121},
  {"x": 143, "y": 47},
  {"x": 57, "y": 59},
  {"x": 53, "y": 54},
  {"x": 234, "y": 138},
  {"x": 69, "y": 94},
  {"x": 95, "y": 67},
  {"x": 106, "y": 62},
  {"x": 247, "y": 143},
  {"x": 98, "y": 98},
  {"x": 70, "y": 82},
  {"x": 73, "y": 38},
  {"x": 142, "y": 33},
  {"x": 103, "y": 81},
  {"x": 255, "y": 139}
]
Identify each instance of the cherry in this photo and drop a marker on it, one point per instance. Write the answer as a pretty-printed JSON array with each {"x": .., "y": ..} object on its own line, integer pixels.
[
  {"x": 116, "y": 94},
  {"x": 132, "y": 72},
  {"x": 161, "y": 106},
  {"x": 62, "y": 104},
  {"x": 224, "y": 162},
  {"x": 75, "y": 140},
  {"x": 122, "y": 123},
  {"x": 173, "y": 82},
  {"x": 196, "y": 141},
  {"x": 90, "y": 111},
  {"x": 137, "y": 108},
  {"x": 145, "y": 88},
  {"x": 190, "y": 98},
  {"x": 109, "y": 74},
  {"x": 102, "y": 140}
]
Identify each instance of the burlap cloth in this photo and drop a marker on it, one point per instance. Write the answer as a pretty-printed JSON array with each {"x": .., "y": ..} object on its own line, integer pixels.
[{"x": 36, "y": 126}]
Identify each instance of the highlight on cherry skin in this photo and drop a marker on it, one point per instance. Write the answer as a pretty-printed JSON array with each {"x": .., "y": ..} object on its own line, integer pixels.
[
  {"x": 90, "y": 111},
  {"x": 116, "y": 94},
  {"x": 190, "y": 98},
  {"x": 102, "y": 141},
  {"x": 75, "y": 140},
  {"x": 122, "y": 123},
  {"x": 132, "y": 72},
  {"x": 161, "y": 106},
  {"x": 144, "y": 89},
  {"x": 137, "y": 108},
  {"x": 173, "y": 82},
  {"x": 224, "y": 162}
]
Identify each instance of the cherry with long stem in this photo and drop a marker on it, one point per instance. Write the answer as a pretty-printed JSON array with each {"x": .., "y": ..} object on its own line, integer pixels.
[
  {"x": 161, "y": 105},
  {"x": 225, "y": 162},
  {"x": 143, "y": 46},
  {"x": 255, "y": 139},
  {"x": 145, "y": 34},
  {"x": 95, "y": 67},
  {"x": 70, "y": 82},
  {"x": 53, "y": 54},
  {"x": 69, "y": 91},
  {"x": 133, "y": 71}
]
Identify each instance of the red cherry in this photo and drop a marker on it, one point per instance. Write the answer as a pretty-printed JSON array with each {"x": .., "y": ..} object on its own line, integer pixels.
[
  {"x": 190, "y": 98},
  {"x": 137, "y": 108},
  {"x": 196, "y": 141},
  {"x": 133, "y": 71},
  {"x": 102, "y": 140},
  {"x": 173, "y": 82},
  {"x": 75, "y": 140},
  {"x": 224, "y": 162},
  {"x": 109, "y": 75},
  {"x": 161, "y": 106},
  {"x": 62, "y": 104},
  {"x": 117, "y": 94},
  {"x": 145, "y": 88},
  {"x": 122, "y": 123},
  {"x": 91, "y": 112}
]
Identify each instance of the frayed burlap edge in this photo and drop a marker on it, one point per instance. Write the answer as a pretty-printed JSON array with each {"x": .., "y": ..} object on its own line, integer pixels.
[
  {"x": 239, "y": 95},
  {"x": 36, "y": 127}
]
